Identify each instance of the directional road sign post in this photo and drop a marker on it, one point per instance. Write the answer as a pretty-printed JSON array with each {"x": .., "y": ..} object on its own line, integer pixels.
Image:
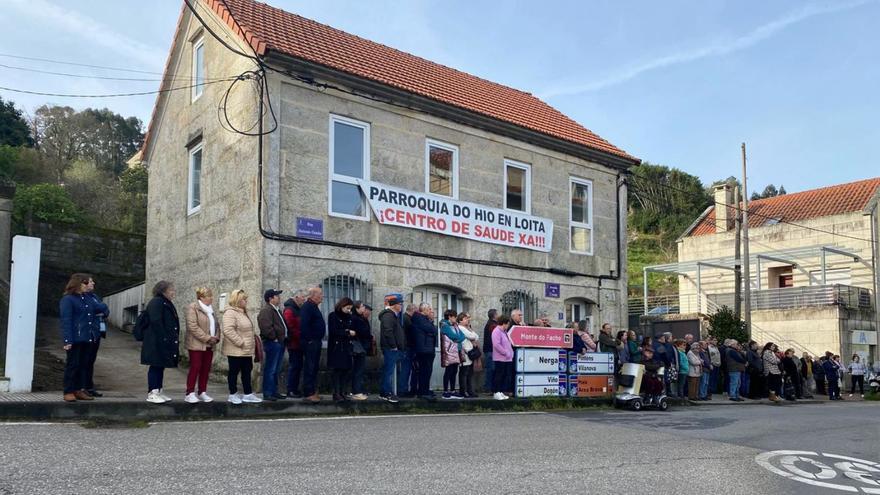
[{"x": 549, "y": 338}]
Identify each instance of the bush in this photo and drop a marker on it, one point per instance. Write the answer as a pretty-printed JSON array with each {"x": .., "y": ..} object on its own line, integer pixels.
[
  {"x": 725, "y": 324},
  {"x": 43, "y": 203}
]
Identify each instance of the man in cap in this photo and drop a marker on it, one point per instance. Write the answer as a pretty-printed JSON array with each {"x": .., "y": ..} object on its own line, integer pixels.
[
  {"x": 393, "y": 342},
  {"x": 273, "y": 330}
]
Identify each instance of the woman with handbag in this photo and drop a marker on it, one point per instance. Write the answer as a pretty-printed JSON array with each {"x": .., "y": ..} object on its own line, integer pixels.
[
  {"x": 240, "y": 346},
  {"x": 450, "y": 350},
  {"x": 341, "y": 334},
  {"x": 470, "y": 353},
  {"x": 361, "y": 347}
]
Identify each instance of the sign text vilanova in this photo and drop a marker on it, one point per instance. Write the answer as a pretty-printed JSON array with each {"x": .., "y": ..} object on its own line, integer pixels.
[{"x": 422, "y": 211}]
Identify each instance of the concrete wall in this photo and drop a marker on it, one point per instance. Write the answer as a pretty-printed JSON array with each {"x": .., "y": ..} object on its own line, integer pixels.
[
  {"x": 119, "y": 301},
  {"x": 115, "y": 259},
  {"x": 814, "y": 330}
]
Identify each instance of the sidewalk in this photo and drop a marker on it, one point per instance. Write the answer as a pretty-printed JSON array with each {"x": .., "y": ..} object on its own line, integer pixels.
[{"x": 118, "y": 372}]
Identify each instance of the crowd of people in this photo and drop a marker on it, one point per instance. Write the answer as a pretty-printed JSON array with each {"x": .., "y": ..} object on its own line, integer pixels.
[
  {"x": 408, "y": 342},
  {"x": 698, "y": 369}
]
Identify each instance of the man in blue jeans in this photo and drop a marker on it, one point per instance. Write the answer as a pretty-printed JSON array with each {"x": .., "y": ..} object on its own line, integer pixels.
[
  {"x": 393, "y": 343},
  {"x": 272, "y": 331},
  {"x": 736, "y": 365},
  {"x": 407, "y": 377},
  {"x": 488, "y": 363},
  {"x": 313, "y": 328}
]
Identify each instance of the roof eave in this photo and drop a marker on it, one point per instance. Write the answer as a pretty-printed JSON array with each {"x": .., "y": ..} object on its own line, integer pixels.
[
  {"x": 698, "y": 221},
  {"x": 450, "y": 112}
]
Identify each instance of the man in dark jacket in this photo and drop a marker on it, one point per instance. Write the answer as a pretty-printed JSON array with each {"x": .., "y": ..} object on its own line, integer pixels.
[
  {"x": 393, "y": 342},
  {"x": 273, "y": 332},
  {"x": 425, "y": 335},
  {"x": 488, "y": 363},
  {"x": 294, "y": 347},
  {"x": 755, "y": 371},
  {"x": 312, "y": 331},
  {"x": 735, "y": 361}
]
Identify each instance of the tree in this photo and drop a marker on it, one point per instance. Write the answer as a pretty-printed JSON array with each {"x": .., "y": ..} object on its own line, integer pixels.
[
  {"x": 8, "y": 160},
  {"x": 769, "y": 192},
  {"x": 665, "y": 201},
  {"x": 44, "y": 203},
  {"x": 14, "y": 130},
  {"x": 726, "y": 324},
  {"x": 102, "y": 137}
]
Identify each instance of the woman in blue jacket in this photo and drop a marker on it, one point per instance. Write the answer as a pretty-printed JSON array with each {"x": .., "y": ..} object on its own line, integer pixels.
[{"x": 80, "y": 329}]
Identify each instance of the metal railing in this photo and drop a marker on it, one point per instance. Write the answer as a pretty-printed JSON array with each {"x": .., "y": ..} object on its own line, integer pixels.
[
  {"x": 664, "y": 305},
  {"x": 803, "y": 297}
]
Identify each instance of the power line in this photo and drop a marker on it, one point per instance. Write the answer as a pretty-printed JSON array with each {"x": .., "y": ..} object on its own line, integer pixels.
[
  {"x": 87, "y": 76},
  {"x": 63, "y": 62},
  {"x": 117, "y": 95},
  {"x": 767, "y": 217}
]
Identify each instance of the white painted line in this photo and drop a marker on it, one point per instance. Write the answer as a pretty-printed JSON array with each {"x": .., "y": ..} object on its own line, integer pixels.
[
  {"x": 336, "y": 418},
  {"x": 13, "y": 423}
]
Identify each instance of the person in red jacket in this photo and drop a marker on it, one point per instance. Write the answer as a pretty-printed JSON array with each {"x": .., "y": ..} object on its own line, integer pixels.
[{"x": 294, "y": 349}]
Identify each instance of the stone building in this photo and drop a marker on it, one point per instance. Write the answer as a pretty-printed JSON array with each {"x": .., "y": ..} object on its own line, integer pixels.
[
  {"x": 813, "y": 267},
  {"x": 482, "y": 196}
]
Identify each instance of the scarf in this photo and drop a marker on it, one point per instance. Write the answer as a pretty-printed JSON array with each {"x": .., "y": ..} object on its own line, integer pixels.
[{"x": 209, "y": 310}]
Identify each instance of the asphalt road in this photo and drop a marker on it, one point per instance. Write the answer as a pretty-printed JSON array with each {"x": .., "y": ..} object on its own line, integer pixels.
[{"x": 700, "y": 450}]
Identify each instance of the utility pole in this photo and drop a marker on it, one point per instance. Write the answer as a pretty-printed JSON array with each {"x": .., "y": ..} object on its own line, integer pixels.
[
  {"x": 737, "y": 244},
  {"x": 747, "y": 299}
]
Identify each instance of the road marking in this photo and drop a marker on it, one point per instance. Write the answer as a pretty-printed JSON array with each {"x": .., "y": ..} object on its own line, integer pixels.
[
  {"x": 23, "y": 423},
  {"x": 806, "y": 467},
  {"x": 336, "y": 418}
]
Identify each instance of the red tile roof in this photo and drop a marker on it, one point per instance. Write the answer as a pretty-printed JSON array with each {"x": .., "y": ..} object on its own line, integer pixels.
[
  {"x": 268, "y": 29},
  {"x": 816, "y": 203}
]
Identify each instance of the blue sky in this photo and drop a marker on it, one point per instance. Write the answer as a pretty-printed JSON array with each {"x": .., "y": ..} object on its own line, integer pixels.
[{"x": 677, "y": 82}]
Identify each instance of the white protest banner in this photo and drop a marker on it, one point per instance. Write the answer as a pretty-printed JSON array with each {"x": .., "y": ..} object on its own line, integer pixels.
[{"x": 422, "y": 211}]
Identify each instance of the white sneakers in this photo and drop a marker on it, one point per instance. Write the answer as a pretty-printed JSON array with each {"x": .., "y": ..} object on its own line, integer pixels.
[
  {"x": 163, "y": 396},
  {"x": 500, "y": 396},
  {"x": 192, "y": 398},
  {"x": 155, "y": 398},
  {"x": 249, "y": 398},
  {"x": 359, "y": 397}
]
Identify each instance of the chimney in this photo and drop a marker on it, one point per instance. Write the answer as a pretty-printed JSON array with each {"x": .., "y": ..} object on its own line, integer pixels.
[{"x": 723, "y": 199}]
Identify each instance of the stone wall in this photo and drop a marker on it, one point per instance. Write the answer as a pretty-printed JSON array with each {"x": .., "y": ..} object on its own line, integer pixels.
[{"x": 115, "y": 259}]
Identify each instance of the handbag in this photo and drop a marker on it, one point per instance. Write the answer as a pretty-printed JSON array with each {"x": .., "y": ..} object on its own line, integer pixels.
[
  {"x": 258, "y": 349},
  {"x": 474, "y": 353},
  {"x": 357, "y": 347}
]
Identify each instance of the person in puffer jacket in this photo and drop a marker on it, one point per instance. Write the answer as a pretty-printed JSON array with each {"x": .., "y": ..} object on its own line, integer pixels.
[
  {"x": 451, "y": 338},
  {"x": 771, "y": 370}
]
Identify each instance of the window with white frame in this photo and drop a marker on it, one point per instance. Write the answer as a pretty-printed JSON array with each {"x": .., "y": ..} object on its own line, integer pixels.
[
  {"x": 349, "y": 161},
  {"x": 517, "y": 186},
  {"x": 198, "y": 68},
  {"x": 441, "y": 168},
  {"x": 581, "y": 216},
  {"x": 194, "y": 189}
]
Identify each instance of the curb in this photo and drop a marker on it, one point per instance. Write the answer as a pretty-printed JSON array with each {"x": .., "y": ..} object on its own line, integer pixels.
[{"x": 136, "y": 411}]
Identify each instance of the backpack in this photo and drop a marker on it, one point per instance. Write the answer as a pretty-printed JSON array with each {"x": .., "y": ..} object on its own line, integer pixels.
[{"x": 140, "y": 326}]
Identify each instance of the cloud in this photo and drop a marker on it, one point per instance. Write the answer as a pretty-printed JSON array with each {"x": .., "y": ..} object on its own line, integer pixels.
[
  {"x": 92, "y": 31},
  {"x": 716, "y": 49}
]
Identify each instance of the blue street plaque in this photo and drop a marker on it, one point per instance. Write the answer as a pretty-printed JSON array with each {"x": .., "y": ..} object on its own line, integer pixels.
[
  {"x": 551, "y": 290},
  {"x": 310, "y": 228}
]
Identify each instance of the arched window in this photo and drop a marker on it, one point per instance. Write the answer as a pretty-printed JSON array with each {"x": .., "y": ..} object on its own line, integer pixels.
[
  {"x": 522, "y": 300},
  {"x": 338, "y": 286}
]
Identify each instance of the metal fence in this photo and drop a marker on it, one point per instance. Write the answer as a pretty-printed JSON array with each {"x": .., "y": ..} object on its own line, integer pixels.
[
  {"x": 785, "y": 298},
  {"x": 338, "y": 286},
  {"x": 803, "y": 297}
]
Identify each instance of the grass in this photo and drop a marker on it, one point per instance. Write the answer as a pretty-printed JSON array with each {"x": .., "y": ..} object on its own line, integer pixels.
[
  {"x": 113, "y": 424},
  {"x": 643, "y": 252}
]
